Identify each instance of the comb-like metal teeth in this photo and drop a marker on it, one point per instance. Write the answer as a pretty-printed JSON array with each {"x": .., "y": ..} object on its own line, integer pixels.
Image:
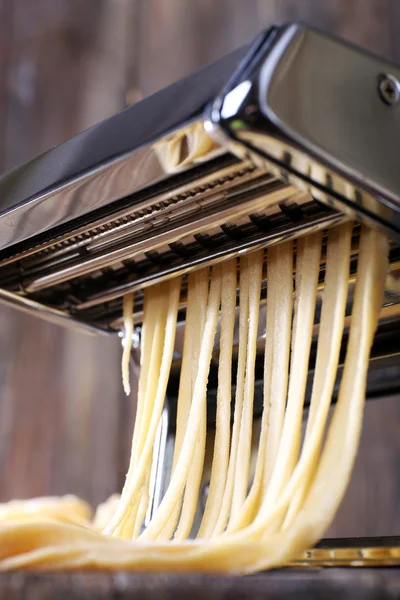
[
  {"x": 107, "y": 226},
  {"x": 232, "y": 209},
  {"x": 159, "y": 231}
]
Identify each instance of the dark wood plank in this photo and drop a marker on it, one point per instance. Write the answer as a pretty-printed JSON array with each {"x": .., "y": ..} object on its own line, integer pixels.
[
  {"x": 60, "y": 406},
  {"x": 371, "y": 504},
  {"x": 6, "y": 14},
  {"x": 363, "y": 22},
  {"x": 311, "y": 584}
]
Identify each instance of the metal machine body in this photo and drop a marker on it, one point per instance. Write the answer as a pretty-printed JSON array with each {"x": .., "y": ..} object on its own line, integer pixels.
[{"x": 304, "y": 132}]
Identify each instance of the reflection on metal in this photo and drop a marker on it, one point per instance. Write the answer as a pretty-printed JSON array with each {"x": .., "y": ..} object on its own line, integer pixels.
[
  {"x": 106, "y": 163},
  {"x": 353, "y": 552},
  {"x": 252, "y": 153},
  {"x": 49, "y": 314},
  {"x": 334, "y": 138},
  {"x": 158, "y": 466}
]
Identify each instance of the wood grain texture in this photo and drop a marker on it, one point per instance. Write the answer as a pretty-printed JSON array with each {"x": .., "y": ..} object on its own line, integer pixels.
[
  {"x": 310, "y": 584},
  {"x": 65, "y": 425}
]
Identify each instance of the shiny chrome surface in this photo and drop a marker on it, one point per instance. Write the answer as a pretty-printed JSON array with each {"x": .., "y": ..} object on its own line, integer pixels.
[
  {"x": 123, "y": 205},
  {"x": 168, "y": 227},
  {"x": 107, "y": 162},
  {"x": 157, "y": 466},
  {"x": 52, "y": 315},
  {"x": 310, "y": 109},
  {"x": 231, "y": 206},
  {"x": 358, "y": 552}
]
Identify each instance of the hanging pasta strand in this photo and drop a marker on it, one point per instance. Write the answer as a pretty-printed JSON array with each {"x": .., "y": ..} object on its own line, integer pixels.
[
  {"x": 331, "y": 329},
  {"x": 196, "y": 414},
  {"x": 327, "y": 360},
  {"x": 224, "y": 514},
  {"x": 241, "y": 478},
  {"x": 156, "y": 300},
  {"x": 220, "y": 461},
  {"x": 278, "y": 352},
  {"x": 296, "y": 488},
  {"x": 132, "y": 487},
  {"x": 152, "y": 304},
  {"x": 127, "y": 310},
  {"x": 194, "y": 477},
  {"x": 307, "y": 271},
  {"x": 185, "y": 393},
  {"x": 276, "y": 366}
]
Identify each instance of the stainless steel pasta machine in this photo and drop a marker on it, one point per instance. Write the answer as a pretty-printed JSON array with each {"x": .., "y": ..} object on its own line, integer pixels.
[{"x": 295, "y": 132}]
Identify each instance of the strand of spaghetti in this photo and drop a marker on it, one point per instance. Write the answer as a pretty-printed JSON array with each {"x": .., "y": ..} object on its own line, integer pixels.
[
  {"x": 186, "y": 385},
  {"x": 342, "y": 441},
  {"x": 144, "y": 494},
  {"x": 276, "y": 366},
  {"x": 196, "y": 471},
  {"x": 241, "y": 479},
  {"x": 242, "y": 352},
  {"x": 152, "y": 308},
  {"x": 219, "y": 467},
  {"x": 158, "y": 299},
  {"x": 312, "y": 444},
  {"x": 331, "y": 329},
  {"x": 279, "y": 353},
  {"x": 130, "y": 527},
  {"x": 157, "y": 351},
  {"x": 131, "y": 490},
  {"x": 127, "y": 311},
  {"x": 143, "y": 504},
  {"x": 307, "y": 271},
  {"x": 50, "y": 545},
  {"x": 179, "y": 477},
  {"x": 327, "y": 360}
]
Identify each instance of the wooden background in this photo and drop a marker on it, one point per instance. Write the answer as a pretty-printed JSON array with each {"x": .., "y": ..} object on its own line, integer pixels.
[{"x": 65, "y": 424}]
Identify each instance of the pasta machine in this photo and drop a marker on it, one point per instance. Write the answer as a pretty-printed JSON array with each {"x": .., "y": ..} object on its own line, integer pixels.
[{"x": 295, "y": 132}]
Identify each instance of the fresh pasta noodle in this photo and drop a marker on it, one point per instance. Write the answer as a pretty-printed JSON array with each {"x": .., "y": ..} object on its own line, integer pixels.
[
  {"x": 186, "y": 147},
  {"x": 254, "y": 268},
  {"x": 196, "y": 414},
  {"x": 219, "y": 469},
  {"x": 127, "y": 309},
  {"x": 224, "y": 514},
  {"x": 247, "y": 526},
  {"x": 105, "y": 511},
  {"x": 276, "y": 365},
  {"x": 68, "y": 509},
  {"x": 194, "y": 477}
]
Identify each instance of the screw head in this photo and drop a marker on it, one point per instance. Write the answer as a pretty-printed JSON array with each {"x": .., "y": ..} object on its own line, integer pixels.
[{"x": 389, "y": 89}]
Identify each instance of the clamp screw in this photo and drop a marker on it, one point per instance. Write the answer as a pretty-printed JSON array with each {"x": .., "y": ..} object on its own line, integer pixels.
[{"x": 389, "y": 89}]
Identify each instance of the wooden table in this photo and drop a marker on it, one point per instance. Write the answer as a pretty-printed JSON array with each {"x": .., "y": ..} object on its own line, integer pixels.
[{"x": 323, "y": 584}]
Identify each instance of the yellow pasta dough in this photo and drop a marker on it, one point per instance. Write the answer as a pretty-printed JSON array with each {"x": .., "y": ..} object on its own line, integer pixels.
[{"x": 247, "y": 525}]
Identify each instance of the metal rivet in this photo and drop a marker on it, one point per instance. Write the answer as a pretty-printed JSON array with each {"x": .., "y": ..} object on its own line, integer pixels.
[{"x": 389, "y": 89}]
